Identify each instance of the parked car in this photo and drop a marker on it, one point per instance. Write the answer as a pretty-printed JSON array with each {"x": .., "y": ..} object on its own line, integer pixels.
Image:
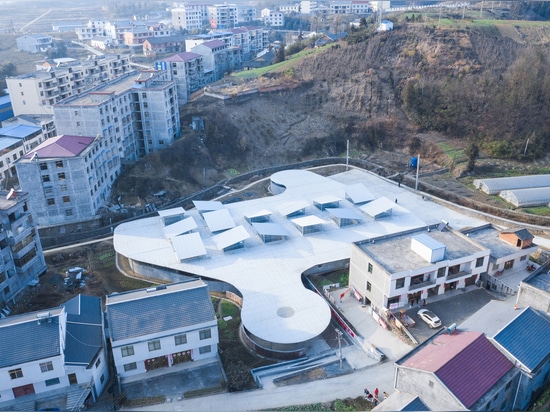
[{"x": 430, "y": 318}]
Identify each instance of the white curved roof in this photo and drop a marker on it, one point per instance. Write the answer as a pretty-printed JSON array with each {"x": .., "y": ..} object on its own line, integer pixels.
[
  {"x": 539, "y": 196},
  {"x": 496, "y": 185},
  {"x": 276, "y": 305}
]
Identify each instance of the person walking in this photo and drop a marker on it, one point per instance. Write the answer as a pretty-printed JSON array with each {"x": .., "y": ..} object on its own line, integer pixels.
[{"x": 376, "y": 393}]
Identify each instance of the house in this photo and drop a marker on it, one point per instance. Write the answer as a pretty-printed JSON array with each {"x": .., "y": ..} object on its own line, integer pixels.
[
  {"x": 162, "y": 326},
  {"x": 509, "y": 258},
  {"x": 218, "y": 58},
  {"x": 273, "y": 18},
  {"x": 458, "y": 371},
  {"x": 34, "y": 43},
  {"x": 534, "y": 290},
  {"x": 433, "y": 260},
  {"x": 164, "y": 45},
  {"x": 58, "y": 353},
  {"x": 245, "y": 13},
  {"x": 101, "y": 42},
  {"x": 526, "y": 342},
  {"x": 385, "y": 25},
  {"x": 187, "y": 70}
]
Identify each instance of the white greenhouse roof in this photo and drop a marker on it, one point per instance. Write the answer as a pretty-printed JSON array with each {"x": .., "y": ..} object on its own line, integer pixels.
[
  {"x": 498, "y": 184},
  {"x": 171, "y": 212},
  {"x": 218, "y": 220},
  {"x": 188, "y": 246},
  {"x": 230, "y": 237},
  {"x": 378, "y": 206},
  {"x": 268, "y": 276},
  {"x": 539, "y": 196},
  {"x": 180, "y": 228},
  {"x": 358, "y": 194}
]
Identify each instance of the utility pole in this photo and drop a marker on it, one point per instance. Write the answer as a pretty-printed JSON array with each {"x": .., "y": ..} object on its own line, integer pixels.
[
  {"x": 339, "y": 334},
  {"x": 347, "y": 155},
  {"x": 526, "y": 144},
  {"x": 417, "y": 169}
]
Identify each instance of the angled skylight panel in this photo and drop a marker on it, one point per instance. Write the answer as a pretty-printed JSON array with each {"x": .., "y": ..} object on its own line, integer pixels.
[
  {"x": 219, "y": 220},
  {"x": 179, "y": 228}
]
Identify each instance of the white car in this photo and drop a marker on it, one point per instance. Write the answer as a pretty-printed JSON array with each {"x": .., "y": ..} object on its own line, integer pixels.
[{"x": 430, "y": 318}]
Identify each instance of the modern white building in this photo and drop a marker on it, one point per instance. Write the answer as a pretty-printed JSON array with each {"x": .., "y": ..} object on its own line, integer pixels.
[
  {"x": 187, "y": 70},
  {"x": 190, "y": 16},
  {"x": 15, "y": 141},
  {"x": 359, "y": 7},
  {"x": 222, "y": 16},
  {"x": 218, "y": 58},
  {"x": 273, "y": 18},
  {"x": 161, "y": 327},
  {"x": 36, "y": 93},
  {"x": 57, "y": 353}
]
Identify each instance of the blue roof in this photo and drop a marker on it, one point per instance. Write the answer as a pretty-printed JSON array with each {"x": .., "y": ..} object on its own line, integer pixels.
[
  {"x": 154, "y": 310},
  {"x": 527, "y": 338},
  {"x": 415, "y": 405},
  {"x": 6, "y": 142},
  {"x": 84, "y": 338},
  {"x": 19, "y": 131},
  {"x": 5, "y": 99},
  {"x": 25, "y": 340}
]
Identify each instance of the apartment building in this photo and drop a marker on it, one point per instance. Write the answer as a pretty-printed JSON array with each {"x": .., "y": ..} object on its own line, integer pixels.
[
  {"x": 273, "y": 18},
  {"x": 245, "y": 13},
  {"x": 57, "y": 353},
  {"x": 20, "y": 248},
  {"x": 218, "y": 58},
  {"x": 222, "y": 16},
  {"x": 187, "y": 70},
  {"x": 164, "y": 45},
  {"x": 161, "y": 327},
  {"x": 359, "y": 7},
  {"x": 115, "y": 29},
  {"x": 190, "y": 17},
  {"x": 16, "y": 140},
  {"x": 93, "y": 28},
  {"x": 37, "y": 92},
  {"x": 390, "y": 272}
]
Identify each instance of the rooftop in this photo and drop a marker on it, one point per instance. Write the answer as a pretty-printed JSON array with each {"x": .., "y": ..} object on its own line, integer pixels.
[
  {"x": 269, "y": 274},
  {"x": 59, "y": 147},
  {"x": 488, "y": 236}
]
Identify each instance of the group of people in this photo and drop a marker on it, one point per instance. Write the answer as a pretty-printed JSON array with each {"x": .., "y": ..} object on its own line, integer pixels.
[{"x": 374, "y": 398}]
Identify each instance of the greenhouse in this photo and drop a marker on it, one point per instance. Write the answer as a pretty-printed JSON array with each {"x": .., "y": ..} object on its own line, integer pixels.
[
  {"x": 496, "y": 185},
  {"x": 539, "y": 196}
]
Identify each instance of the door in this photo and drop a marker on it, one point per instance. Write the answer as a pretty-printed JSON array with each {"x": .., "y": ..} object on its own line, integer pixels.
[
  {"x": 23, "y": 390},
  {"x": 72, "y": 379}
]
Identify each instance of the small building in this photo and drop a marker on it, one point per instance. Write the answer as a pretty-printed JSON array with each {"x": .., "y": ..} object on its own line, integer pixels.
[
  {"x": 161, "y": 327},
  {"x": 101, "y": 42},
  {"x": 6, "y": 109},
  {"x": 34, "y": 43},
  {"x": 385, "y": 25},
  {"x": 57, "y": 354},
  {"x": 534, "y": 290},
  {"x": 459, "y": 371},
  {"x": 163, "y": 45}
]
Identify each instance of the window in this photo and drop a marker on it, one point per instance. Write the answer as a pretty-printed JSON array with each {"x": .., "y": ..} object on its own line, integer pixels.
[
  {"x": 441, "y": 272},
  {"x": 522, "y": 258},
  {"x": 46, "y": 367},
  {"x": 102, "y": 379},
  {"x": 369, "y": 268},
  {"x": 98, "y": 363},
  {"x": 180, "y": 339},
  {"x": 43, "y": 166},
  {"x": 63, "y": 188},
  {"x": 53, "y": 381},
  {"x": 66, "y": 199},
  {"x": 127, "y": 351},
  {"x": 68, "y": 212},
  {"x": 205, "y": 349},
  {"x": 76, "y": 113},
  {"x": 45, "y": 178},
  {"x": 368, "y": 286},
  {"x": 50, "y": 201},
  {"x": 509, "y": 264},
  {"x": 130, "y": 367},
  {"x": 61, "y": 176},
  {"x": 16, "y": 373},
  {"x": 59, "y": 164},
  {"x": 508, "y": 385},
  {"x": 154, "y": 345},
  {"x": 205, "y": 334},
  {"x": 479, "y": 262},
  {"x": 430, "y": 384},
  {"x": 399, "y": 283}
]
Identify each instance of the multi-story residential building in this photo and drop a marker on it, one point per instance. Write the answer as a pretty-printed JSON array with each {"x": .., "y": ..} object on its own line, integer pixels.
[
  {"x": 432, "y": 260},
  {"x": 34, "y": 43},
  {"x": 69, "y": 178},
  {"x": 36, "y": 93},
  {"x": 187, "y": 70},
  {"x": 222, "y": 16},
  {"x": 58, "y": 354},
  {"x": 245, "y": 13},
  {"x": 380, "y": 5},
  {"x": 273, "y": 18},
  {"x": 190, "y": 16},
  {"x": 115, "y": 29},
  {"x": 350, "y": 7},
  {"x": 20, "y": 247},
  {"x": 135, "y": 36},
  {"x": 458, "y": 371},
  {"x": 218, "y": 58},
  {"x": 92, "y": 29},
  {"x": 15, "y": 140},
  {"x": 160, "y": 327},
  {"x": 164, "y": 45},
  {"x": 290, "y": 8}
]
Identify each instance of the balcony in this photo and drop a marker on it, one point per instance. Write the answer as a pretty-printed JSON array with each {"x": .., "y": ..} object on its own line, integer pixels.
[
  {"x": 421, "y": 285},
  {"x": 459, "y": 274}
]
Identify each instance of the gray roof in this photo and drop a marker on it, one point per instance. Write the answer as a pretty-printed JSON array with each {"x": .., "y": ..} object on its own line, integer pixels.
[
  {"x": 84, "y": 338},
  {"x": 527, "y": 338},
  {"x": 25, "y": 340},
  {"x": 498, "y": 184},
  {"x": 161, "y": 309}
]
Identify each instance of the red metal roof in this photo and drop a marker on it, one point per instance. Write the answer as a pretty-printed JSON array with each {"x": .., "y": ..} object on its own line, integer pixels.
[
  {"x": 182, "y": 57},
  {"x": 61, "y": 146}
]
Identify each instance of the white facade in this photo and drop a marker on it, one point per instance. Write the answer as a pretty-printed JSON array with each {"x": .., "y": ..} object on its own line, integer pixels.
[
  {"x": 246, "y": 14},
  {"x": 190, "y": 17},
  {"x": 349, "y": 7},
  {"x": 34, "y": 43},
  {"x": 187, "y": 70},
  {"x": 273, "y": 18},
  {"x": 222, "y": 16}
]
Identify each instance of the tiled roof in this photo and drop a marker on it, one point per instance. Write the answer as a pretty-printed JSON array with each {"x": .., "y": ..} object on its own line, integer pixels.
[
  {"x": 24, "y": 340},
  {"x": 182, "y": 57},
  {"x": 415, "y": 405},
  {"x": 466, "y": 362},
  {"x": 522, "y": 234},
  {"x": 154, "y": 310},
  {"x": 84, "y": 337},
  {"x": 527, "y": 338},
  {"x": 61, "y": 146},
  {"x": 214, "y": 43}
]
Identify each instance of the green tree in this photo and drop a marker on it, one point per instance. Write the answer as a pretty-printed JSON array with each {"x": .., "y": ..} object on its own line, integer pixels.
[
  {"x": 280, "y": 55},
  {"x": 472, "y": 154}
]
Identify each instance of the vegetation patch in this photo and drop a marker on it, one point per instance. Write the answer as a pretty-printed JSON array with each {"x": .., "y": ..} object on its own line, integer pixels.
[
  {"x": 149, "y": 400},
  {"x": 205, "y": 391}
]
